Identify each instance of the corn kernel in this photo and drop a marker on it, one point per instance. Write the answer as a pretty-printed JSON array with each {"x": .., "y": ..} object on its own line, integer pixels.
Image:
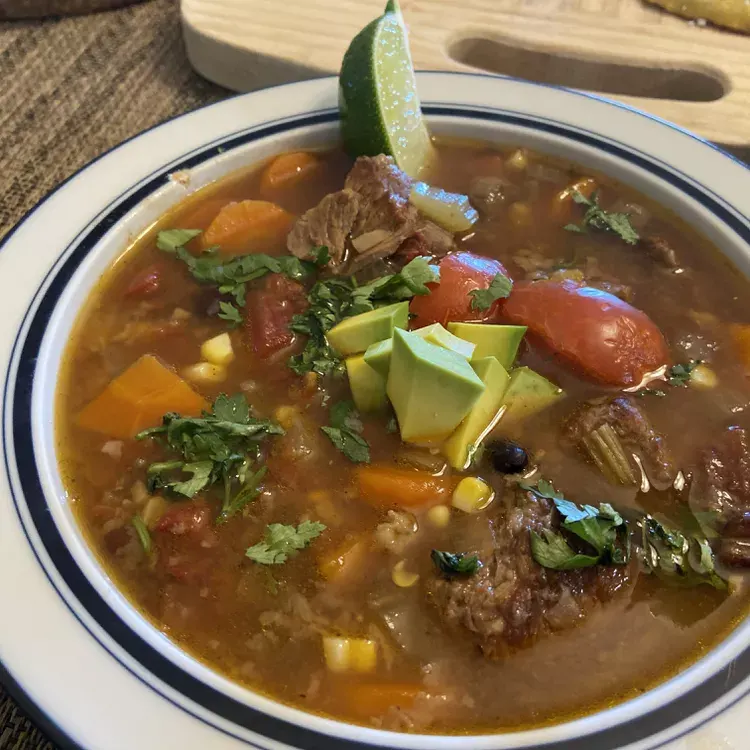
[
  {"x": 218, "y": 350},
  {"x": 472, "y": 495},
  {"x": 439, "y": 516},
  {"x": 350, "y": 654},
  {"x": 205, "y": 373},
  {"x": 703, "y": 378},
  {"x": 155, "y": 508},
  {"x": 180, "y": 314},
  {"x": 401, "y": 577},
  {"x": 517, "y": 161},
  {"x": 520, "y": 214},
  {"x": 285, "y": 416}
]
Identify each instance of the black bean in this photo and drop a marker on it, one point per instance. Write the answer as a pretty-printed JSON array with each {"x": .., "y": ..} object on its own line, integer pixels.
[{"x": 507, "y": 457}]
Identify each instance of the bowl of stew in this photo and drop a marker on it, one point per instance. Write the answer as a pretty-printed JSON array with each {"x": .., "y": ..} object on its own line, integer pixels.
[{"x": 293, "y": 462}]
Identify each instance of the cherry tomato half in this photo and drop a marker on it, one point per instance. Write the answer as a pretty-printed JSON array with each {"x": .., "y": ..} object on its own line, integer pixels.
[
  {"x": 601, "y": 336},
  {"x": 450, "y": 300}
]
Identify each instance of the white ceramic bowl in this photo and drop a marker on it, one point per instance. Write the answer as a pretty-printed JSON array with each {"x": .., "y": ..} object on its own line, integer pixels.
[{"x": 98, "y": 673}]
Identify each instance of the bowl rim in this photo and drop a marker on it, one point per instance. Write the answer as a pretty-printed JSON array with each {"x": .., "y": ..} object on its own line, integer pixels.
[{"x": 430, "y": 106}]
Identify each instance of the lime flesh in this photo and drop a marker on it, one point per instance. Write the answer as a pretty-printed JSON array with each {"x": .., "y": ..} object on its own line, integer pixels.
[{"x": 380, "y": 108}]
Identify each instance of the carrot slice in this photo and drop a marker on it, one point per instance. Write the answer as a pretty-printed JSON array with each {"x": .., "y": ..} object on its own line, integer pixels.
[
  {"x": 374, "y": 699},
  {"x": 344, "y": 559},
  {"x": 248, "y": 227},
  {"x": 741, "y": 337},
  {"x": 288, "y": 170},
  {"x": 562, "y": 204},
  {"x": 139, "y": 398},
  {"x": 384, "y": 486}
]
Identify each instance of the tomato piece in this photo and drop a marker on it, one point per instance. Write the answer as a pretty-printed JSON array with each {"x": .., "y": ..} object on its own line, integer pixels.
[
  {"x": 460, "y": 273},
  {"x": 598, "y": 334},
  {"x": 147, "y": 283},
  {"x": 185, "y": 518},
  {"x": 269, "y": 310}
]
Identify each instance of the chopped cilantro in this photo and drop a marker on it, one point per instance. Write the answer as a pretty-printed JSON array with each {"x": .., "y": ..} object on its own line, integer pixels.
[
  {"x": 171, "y": 239},
  {"x": 344, "y": 432},
  {"x": 680, "y": 374},
  {"x": 607, "y": 221},
  {"x": 499, "y": 288},
  {"x": 282, "y": 541},
  {"x": 216, "y": 448},
  {"x": 455, "y": 563}
]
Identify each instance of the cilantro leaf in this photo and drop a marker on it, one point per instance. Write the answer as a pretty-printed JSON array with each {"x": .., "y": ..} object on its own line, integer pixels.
[
  {"x": 680, "y": 374},
  {"x": 499, "y": 288},
  {"x": 230, "y": 313},
  {"x": 282, "y": 541},
  {"x": 171, "y": 239},
  {"x": 606, "y": 221},
  {"x": 553, "y": 552},
  {"x": 345, "y": 430},
  {"x": 201, "y": 476},
  {"x": 603, "y": 529},
  {"x": 455, "y": 563},
  {"x": 248, "y": 492}
]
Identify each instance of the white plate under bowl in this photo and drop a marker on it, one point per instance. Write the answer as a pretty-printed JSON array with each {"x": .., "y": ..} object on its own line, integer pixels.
[{"x": 98, "y": 674}]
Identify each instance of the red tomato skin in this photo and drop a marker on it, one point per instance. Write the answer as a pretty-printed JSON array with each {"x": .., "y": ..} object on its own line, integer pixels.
[
  {"x": 450, "y": 300},
  {"x": 147, "y": 283},
  {"x": 269, "y": 310},
  {"x": 598, "y": 334}
]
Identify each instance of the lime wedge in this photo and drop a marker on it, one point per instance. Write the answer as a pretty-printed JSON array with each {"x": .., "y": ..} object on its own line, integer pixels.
[{"x": 378, "y": 100}]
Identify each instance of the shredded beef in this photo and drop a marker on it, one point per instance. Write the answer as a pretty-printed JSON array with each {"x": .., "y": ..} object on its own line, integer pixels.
[
  {"x": 367, "y": 221},
  {"x": 660, "y": 250},
  {"x": 512, "y": 600},
  {"x": 629, "y": 421}
]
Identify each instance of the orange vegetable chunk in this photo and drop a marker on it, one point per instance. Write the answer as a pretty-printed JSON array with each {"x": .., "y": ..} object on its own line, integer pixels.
[
  {"x": 248, "y": 227},
  {"x": 374, "y": 699},
  {"x": 741, "y": 337},
  {"x": 287, "y": 170},
  {"x": 138, "y": 398},
  {"x": 344, "y": 559},
  {"x": 386, "y": 486}
]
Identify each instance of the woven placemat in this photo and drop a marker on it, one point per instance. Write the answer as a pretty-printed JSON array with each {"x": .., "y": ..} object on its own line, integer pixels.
[{"x": 69, "y": 90}]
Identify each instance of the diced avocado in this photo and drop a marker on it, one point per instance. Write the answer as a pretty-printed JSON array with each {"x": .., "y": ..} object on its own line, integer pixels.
[
  {"x": 368, "y": 386},
  {"x": 482, "y": 417},
  {"x": 353, "y": 335},
  {"x": 378, "y": 356},
  {"x": 431, "y": 388},
  {"x": 501, "y": 342},
  {"x": 528, "y": 392}
]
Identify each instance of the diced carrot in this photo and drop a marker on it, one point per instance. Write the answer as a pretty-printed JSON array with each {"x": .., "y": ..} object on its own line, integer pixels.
[
  {"x": 562, "y": 204},
  {"x": 200, "y": 215},
  {"x": 384, "y": 486},
  {"x": 248, "y": 227},
  {"x": 343, "y": 560},
  {"x": 139, "y": 398},
  {"x": 374, "y": 699},
  {"x": 286, "y": 171},
  {"x": 741, "y": 337}
]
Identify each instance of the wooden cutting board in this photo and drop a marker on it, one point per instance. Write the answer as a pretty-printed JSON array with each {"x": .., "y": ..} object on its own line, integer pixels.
[{"x": 691, "y": 73}]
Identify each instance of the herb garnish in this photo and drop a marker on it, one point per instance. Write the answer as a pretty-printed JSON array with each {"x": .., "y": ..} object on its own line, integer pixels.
[
  {"x": 678, "y": 375},
  {"x": 455, "y": 563},
  {"x": 144, "y": 537},
  {"x": 333, "y": 300},
  {"x": 282, "y": 541},
  {"x": 677, "y": 558},
  {"x": 217, "y": 448},
  {"x": 231, "y": 275},
  {"x": 499, "y": 288},
  {"x": 345, "y": 432},
  {"x": 607, "y": 221},
  {"x": 603, "y": 529}
]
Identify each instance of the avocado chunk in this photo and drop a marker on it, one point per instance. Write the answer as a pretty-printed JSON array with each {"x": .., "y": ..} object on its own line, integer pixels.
[
  {"x": 353, "y": 335},
  {"x": 431, "y": 388},
  {"x": 367, "y": 386},
  {"x": 501, "y": 342},
  {"x": 528, "y": 392},
  {"x": 483, "y": 416},
  {"x": 378, "y": 356}
]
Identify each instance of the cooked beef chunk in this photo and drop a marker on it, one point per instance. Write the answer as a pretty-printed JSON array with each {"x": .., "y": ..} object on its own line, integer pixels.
[
  {"x": 512, "y": 600},
  {"x": 721, "y": 486},
  {"x": 329, "y": 224},
  {"x": 490, "y": 195},
  {"x": 660, "y": 250},
  {"x": 371, "y": 216},
  {"x": 631, "y": 425}
]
